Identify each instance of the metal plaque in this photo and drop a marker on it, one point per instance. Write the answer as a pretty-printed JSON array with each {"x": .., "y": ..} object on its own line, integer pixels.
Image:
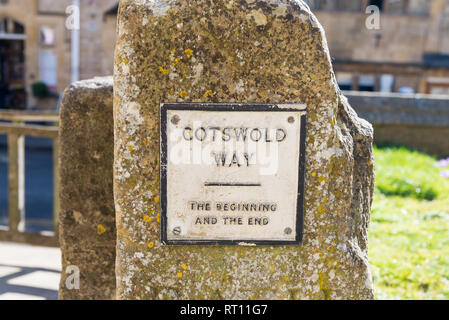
[{"x": 232, "y": 173}]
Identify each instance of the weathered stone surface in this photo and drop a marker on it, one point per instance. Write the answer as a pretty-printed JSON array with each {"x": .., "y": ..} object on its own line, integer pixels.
[
  {"x": 237, "y": 51},
  {"x": 87, "y": 215}
]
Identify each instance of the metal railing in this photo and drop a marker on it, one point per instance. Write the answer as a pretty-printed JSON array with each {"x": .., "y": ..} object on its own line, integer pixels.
[{"x": 16, "y": 129}]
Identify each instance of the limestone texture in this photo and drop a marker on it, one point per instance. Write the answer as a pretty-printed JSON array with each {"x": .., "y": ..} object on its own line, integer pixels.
[
  {"x": 87, "y": 217},
  {"x": 237, "y": 51}
]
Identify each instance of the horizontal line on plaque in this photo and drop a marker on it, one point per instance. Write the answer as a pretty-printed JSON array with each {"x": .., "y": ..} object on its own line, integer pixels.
[{"x": 231, "y": 184}]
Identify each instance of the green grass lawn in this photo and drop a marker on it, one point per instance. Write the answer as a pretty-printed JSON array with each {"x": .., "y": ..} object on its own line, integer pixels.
[{"x": 409, "y": 230}]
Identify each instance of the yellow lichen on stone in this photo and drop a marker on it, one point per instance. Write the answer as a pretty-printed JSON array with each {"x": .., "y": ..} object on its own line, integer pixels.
[
  {"x": 101, "y": 229},
  {"x": 164, "y": 71},
  {"x": 189, "y": 53},
  {"x": 183, "y": 93},
  {"x": 147, "y": 218},
  {"x": 321, "y": 179},
  {"x": 208, "y": 93},
  {"x": 179, "y": 275},
  {"x": 151, "y": 244},
  {"x": 184, "y": 266}
]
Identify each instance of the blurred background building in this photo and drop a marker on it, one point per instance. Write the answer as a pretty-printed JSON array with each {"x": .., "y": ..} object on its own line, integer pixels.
[
  {"x": 408, "y": 53},
  {"x": 35, "y": 49}
]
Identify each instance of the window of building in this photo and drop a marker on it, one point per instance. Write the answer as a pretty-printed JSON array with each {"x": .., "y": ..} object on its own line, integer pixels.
[
  {"x": 48, "y": 67},
  {"x": 377, "y": 3},
  {"x": 345, "y": 80},
  {"x": 11, "y": 26},
  {"x": 349, "y": 5},
  {"x": 340, "y": 5},
  {"x": 413, "y": 7},
  {"x": 397, "y": 6},
  {"x": 322, "y": 4},
  {"x": 3, "y": 25},
  {"x": 436, "y": 85},
  {"x": 312, "y": 4},
  {"x": 367, "y": 83},
  {"x": 48, "y": 36},
  {"x": 386, "y": 83},
  {"x": 418, "y": 7},
  {"x": 12, "y": 64}
]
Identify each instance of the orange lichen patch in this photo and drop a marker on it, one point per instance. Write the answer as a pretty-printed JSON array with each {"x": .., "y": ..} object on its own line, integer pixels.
[
  {"x": 158, "y": 219},
  {"x": 189, "y": 53},
  {"x": 147, "y": 218},
  {"x": 101, "y": 229},
  {"x": 156, "y": 199},
  {"x": 286, "y": 278},
  {"x": 183, "y": 93},
  {"x": 179, "y": 275},
  {"x": 151, "y": 244}
]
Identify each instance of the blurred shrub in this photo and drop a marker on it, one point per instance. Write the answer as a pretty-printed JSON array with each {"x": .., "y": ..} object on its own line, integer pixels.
[
  {"x": 40, "y": 90},
  {"x": 408, "y": 188}
]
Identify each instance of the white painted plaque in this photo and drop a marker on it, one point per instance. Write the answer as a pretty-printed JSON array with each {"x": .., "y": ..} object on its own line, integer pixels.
[{"x": 232, "y": 173}]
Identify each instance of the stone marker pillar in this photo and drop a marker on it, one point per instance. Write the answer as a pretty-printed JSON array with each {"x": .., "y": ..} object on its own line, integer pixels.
[
  {"x": 271, "y": 52},
  {"x": 87, "y": 230}
]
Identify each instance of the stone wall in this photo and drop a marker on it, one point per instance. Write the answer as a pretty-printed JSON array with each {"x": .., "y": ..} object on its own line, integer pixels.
[{"x": 416, "y": 121}]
